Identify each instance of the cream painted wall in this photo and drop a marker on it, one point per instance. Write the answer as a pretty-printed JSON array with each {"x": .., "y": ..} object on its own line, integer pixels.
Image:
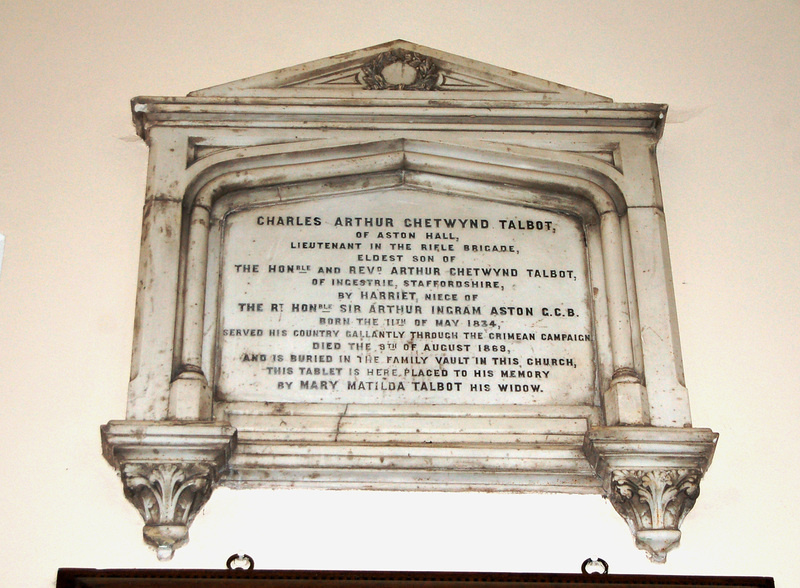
[{"x": 72, "y": 179}]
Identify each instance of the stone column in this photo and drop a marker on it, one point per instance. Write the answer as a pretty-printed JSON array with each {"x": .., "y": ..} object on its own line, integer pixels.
[
  {"x": 190, "y": 398},
  {"x": 667, "y": 396},
  {"x": 157, "y": 295},
  {"x": 625, "y": 401}
]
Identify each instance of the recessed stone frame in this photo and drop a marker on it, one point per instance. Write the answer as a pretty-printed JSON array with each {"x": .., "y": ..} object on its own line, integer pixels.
[
  {"x": 313, "y": 173},
  {"x": 594, "y": 160}
]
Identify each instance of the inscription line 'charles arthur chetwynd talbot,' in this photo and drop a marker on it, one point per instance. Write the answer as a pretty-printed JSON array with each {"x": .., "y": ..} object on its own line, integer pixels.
[{"x": 403, "y": 269}]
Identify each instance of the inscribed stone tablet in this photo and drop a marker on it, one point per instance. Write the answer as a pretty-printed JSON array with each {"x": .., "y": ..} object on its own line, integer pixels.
[{"x": 401, "y": 296}]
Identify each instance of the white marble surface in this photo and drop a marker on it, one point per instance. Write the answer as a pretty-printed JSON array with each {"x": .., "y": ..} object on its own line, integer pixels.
[
  {"x": 222, "y": 338},
  {"x": 390, "y": 297}
]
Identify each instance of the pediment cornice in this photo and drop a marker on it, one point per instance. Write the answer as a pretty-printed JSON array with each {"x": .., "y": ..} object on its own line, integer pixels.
[{"x": 416, "y": 67}]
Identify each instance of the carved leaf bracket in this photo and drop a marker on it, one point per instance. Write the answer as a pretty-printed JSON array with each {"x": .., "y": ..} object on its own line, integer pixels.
[
  {"x": 168, "y": 471},
  {"x": 652, "y": 478}
]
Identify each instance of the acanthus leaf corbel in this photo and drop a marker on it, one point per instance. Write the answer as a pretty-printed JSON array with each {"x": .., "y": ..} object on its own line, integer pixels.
[
  {"x": 651, "y": 475},
  {"x": 168, "y": 496},
  {"x": 654, "y": 503},
  {"x": 169, "y": 470}
]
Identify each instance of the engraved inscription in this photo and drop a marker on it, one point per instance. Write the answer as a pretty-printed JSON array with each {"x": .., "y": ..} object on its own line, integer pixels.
[{"x": 404, "y": 297}]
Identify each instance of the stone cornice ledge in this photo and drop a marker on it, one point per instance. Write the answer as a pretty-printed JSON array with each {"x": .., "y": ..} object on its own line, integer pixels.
[
  {"x": 652, "y": 477},
  {"x": 126, "y": 441},
  {"x": 169, "y": 470},
  {"x": 410, "y": 111}
]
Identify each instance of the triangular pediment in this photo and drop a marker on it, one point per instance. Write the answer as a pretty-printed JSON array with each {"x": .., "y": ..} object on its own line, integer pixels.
[{"x": 399, "y": 65}]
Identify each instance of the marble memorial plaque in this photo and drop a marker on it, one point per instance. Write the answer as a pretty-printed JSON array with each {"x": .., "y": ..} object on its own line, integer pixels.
[
  {"x": 404, "y": 297},
  {"x": 399, "y": 268}
]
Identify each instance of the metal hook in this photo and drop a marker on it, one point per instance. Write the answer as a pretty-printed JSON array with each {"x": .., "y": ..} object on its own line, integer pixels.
[
  {"x": 594, "y": 563},
  {"x": 240, "y": 562}
]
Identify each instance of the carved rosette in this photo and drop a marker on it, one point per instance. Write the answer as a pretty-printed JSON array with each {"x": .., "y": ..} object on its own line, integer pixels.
[
  {"x": 400, "y": 70},
  {"x": 168, "y": 496},
  {"x": 654, "y": 504},
  {"x": 651, "y": 475}
]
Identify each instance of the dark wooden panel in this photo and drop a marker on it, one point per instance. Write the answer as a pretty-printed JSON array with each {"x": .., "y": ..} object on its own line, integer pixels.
[{"x": 89, "y": 578}]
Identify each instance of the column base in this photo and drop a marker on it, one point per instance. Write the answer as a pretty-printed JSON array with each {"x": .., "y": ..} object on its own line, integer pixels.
[
  {"x": 189, "y": 397},
  {"x": 625, "y": 402}
]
